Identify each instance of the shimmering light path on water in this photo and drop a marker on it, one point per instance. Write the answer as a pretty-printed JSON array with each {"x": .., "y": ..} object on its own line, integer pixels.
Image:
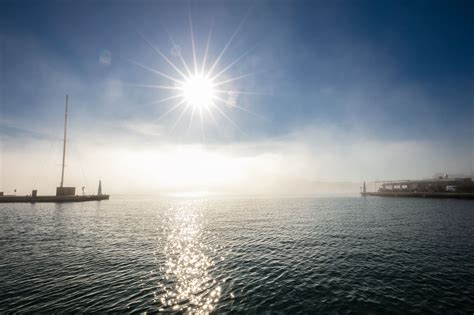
[{"x": 319, "y": 255}]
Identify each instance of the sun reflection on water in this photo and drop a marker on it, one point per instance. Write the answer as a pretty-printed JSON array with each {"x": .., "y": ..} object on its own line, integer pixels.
[{"x": 187, "y": 287}]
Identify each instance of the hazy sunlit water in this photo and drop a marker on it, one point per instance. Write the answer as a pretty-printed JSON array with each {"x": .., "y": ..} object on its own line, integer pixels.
[{"x": 136, "y": 254}]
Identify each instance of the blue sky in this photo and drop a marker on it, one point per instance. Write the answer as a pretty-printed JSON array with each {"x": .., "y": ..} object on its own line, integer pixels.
[{"x": 381, "y": 72}]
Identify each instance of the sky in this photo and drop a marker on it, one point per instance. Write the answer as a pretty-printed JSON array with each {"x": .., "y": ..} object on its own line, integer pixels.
[{"x": 317, "y": 96}]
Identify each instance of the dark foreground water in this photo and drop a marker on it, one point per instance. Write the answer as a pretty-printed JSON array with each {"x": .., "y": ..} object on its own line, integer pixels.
[{"x": 322, "y": 255}]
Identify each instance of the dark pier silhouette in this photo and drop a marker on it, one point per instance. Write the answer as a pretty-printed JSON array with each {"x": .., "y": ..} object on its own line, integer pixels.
[
  {"x": 63, "y": 194},
  {"x": 440, "y": 187}
]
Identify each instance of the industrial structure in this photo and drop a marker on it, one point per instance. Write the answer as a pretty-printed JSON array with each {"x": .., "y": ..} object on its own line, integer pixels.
[
  {"x": 438, "y": 187},
  {"x": 63, "y": 194}
]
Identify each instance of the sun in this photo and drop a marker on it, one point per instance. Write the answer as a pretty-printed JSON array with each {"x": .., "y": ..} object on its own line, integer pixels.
[
  {"x": 201, "y": 88},
  {"x": 198, "y": 91}
]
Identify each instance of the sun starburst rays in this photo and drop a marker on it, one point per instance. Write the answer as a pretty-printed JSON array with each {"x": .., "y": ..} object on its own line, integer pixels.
[{"x": 198, "y": 87}]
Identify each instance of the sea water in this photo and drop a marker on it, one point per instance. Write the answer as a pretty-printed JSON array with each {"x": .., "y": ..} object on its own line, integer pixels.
[{"x": 241, "y": 255}]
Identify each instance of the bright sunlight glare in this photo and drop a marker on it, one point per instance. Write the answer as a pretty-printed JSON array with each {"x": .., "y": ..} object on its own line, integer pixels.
[
  {"x": 204, "y": 90},
  {"x": 198, "y": 91}
]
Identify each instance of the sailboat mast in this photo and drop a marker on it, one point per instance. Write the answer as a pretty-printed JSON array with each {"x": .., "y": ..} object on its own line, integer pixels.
[{"x": 64, "y": 144}]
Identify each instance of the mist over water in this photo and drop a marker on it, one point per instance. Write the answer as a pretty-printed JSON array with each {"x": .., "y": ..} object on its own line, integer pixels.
[{"x": 135, "y": 254}]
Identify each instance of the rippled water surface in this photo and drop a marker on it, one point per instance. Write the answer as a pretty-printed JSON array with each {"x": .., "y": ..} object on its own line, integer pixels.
[{"x": 321, "y": 255}]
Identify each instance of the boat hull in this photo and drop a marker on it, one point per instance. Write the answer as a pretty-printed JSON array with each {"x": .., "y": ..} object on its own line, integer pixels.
[{"x": 55, "y": 199}]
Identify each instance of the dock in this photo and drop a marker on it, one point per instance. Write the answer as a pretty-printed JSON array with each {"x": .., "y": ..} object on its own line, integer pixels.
[
  {"x": 56, "y": 199},
  {"x": 439, "y": 187},
  {"x": 421, "y": 195},
  {"x": 63, "y": 193}
]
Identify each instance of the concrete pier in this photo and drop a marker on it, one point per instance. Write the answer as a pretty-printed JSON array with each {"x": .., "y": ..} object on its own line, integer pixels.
[
  {"x": 440, "y": 187},
  {"x": 34, "y": 199}
]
